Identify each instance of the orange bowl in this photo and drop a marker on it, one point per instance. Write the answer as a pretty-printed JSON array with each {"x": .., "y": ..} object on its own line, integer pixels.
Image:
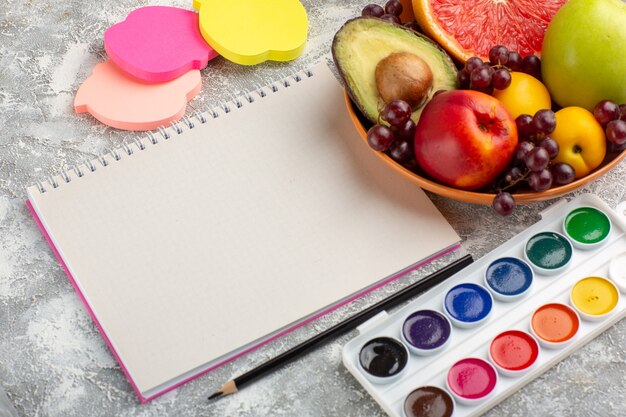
[{"x": 475, "y": 197}]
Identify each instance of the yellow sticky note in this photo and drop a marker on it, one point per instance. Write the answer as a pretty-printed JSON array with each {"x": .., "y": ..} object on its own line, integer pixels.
[{"x": 249, "y": 32}]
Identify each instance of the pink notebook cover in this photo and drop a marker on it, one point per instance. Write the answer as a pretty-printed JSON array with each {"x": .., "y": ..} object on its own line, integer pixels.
[{"x": 254, "y": 347}]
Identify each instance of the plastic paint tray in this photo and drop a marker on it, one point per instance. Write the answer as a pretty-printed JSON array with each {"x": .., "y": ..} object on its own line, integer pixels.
[{"x": 514, "y": 315}]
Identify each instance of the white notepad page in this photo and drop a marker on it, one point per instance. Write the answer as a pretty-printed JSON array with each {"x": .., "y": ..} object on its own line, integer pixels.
[{"x": 201, "y": 244}]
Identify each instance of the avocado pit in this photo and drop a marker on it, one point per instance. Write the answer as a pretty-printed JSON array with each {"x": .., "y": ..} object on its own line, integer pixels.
[{"x": 404, "y": 76}]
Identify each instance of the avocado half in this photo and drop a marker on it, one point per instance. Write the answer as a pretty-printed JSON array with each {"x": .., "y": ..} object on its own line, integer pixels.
[{"x": 363, "y": 42}]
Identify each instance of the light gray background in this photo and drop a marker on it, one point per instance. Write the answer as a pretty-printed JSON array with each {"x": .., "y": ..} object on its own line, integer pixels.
[{"x": 53, "y": 362}]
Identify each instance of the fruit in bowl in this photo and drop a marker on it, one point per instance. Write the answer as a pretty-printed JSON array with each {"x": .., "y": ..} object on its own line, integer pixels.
[
  {"x": 497, "y": 145},
  {"x": 465, "y": 139},
  {"x": 525, "y": 95},
  {"x": 583, "y": 53},
  {"x": 483, "y": 196},
  {"x": 581, "y": 140}
]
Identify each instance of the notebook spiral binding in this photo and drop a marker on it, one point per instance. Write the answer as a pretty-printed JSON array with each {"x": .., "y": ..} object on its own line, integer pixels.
[{"x": 128, "y": 148}]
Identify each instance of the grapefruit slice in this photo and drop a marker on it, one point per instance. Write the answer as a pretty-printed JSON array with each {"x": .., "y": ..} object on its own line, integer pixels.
[{"x": 472, "y": 28}]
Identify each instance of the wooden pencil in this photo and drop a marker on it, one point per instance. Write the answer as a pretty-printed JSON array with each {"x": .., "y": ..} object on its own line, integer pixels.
[{"x": 406, "y": 293}]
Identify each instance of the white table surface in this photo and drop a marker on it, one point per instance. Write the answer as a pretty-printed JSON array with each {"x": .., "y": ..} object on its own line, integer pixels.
[{"x": 53, "y": 361}]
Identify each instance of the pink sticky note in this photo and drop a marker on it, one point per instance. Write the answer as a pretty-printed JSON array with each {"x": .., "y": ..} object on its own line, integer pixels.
[
  {"x": 119, "y": 100},
  {"x": 158, "y": 43}
]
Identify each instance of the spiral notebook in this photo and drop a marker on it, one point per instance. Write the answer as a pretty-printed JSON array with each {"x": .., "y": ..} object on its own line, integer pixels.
[{"x": 212, "y": 237}]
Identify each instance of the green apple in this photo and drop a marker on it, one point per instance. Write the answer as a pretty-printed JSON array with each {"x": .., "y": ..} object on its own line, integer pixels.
[{"x": 583, "y": 56}]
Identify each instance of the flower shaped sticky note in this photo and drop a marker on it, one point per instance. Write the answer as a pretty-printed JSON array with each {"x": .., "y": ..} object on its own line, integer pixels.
[
  {"x": 158, "y": 43},
  {"x": 252, "y": 31},
  {"x": 119, "y": 100}
]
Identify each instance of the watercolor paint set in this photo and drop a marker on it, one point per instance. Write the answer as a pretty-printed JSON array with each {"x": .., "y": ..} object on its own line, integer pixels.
[{"x": 465, "y": 345}]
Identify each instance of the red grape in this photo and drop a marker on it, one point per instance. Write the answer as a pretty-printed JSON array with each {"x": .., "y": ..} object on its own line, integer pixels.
[
  {"x": 401, "y": 151},
  {"x": 616, "y": 132},
  {"x": 396, "y": 112},
  {"x": 480, "y": 78},
  {"x": 501, "y": 79},
  {"x": 406, "y": 131},
  {"x": 605, "y": 111},
  {"x": 562, "y": 173},
  {"x": 550, "y": 145},
  {"x": 544, "y": 121},
  {"x": 622, "y": 111},
  {"x": 499, "y": 55},
  {"x": 373, "y": 10},
  {"x": 540, "y": 180},
  {"x": 392, "y": 18},
  {"x": 503, "y": 203},
  {"x": 464, "y": 78},
  {"x": 524, "y": 127},
  {"x": 514, "y": 61},
  {"x": 380, "y": 137},
  {"x": 473, "y": 63},
  {"x": 531, "y": 65},
  {"x": 414, "y": 26},
  {"x": 537, "y": 159},
  {"x": 512, "y": 175},
  {"x": 393, "y": 7},
  {"x": 522, "y": 148}
]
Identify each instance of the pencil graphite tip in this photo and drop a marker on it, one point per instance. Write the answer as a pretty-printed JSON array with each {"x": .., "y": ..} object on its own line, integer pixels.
[
  {"x": 228, "y": 388},
  {"x": 215, "y": 395}
]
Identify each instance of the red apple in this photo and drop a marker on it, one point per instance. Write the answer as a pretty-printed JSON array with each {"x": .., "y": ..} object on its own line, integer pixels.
[{"x": 465, "y": 139}]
